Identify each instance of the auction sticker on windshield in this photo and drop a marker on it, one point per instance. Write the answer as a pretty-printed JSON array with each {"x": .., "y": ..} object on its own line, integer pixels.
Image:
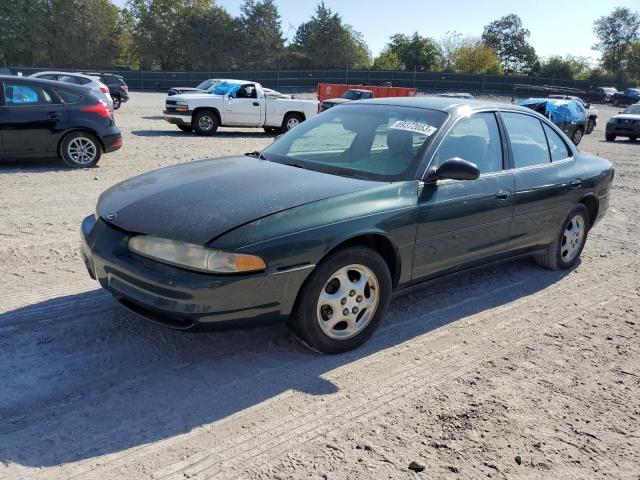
[{"x": 415, "y": 127}]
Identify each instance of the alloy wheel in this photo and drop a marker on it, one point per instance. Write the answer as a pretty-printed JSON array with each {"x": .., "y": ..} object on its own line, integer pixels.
[
  {"x": 82, "y": 150},
  {"x": 205, "y": 123},
  {"x": 348, "y": 301},
  {"x": 292, "y": 123}
]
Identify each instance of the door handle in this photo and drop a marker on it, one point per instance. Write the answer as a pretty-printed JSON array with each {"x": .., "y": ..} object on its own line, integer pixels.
[
  {"x": 503, "y": 194},
  {"x": 576, "y": 183},
  {"x": 54, "y": 115},
  {"x": 256, "y": 104}
]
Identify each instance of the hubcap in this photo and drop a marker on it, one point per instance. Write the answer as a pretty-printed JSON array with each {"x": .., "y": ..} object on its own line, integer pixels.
[
  {"x": 82, "y": 150},
  {"x": 572, "y": 238},
  {"x": 577, "y": 136},
  {"x": 348, "y": 302},
  {"x": 205, "y": 122},
  {"x": 292, "y": 123}
]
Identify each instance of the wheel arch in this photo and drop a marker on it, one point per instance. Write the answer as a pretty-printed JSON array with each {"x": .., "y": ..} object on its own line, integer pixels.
[
  {"x": 593, "y": 205},
  {"x": 296, "y": 112},
  {"x": 212, "y": 109},
  {"x": 80, "y": 129}
]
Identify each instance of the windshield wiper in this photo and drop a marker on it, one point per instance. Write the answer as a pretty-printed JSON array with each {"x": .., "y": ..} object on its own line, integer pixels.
[
  {"x": 297, "y": 165},
  {"x": 256, "y": 154}
]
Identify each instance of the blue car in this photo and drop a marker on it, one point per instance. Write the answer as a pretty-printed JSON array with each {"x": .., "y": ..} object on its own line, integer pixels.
[
  {"x": 569, "y": 115},
  {"x": 628, "y": 97}
]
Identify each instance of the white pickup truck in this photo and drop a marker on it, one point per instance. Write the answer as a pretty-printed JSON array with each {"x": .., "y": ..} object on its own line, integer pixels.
[{"x": 248, "y": 105}]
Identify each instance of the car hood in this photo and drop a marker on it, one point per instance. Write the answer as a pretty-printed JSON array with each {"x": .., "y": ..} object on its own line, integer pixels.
[
  {"x": 337, "y": 100},
  {"x": 199, "y": 201},
  {"x": 626, "y": 116}
]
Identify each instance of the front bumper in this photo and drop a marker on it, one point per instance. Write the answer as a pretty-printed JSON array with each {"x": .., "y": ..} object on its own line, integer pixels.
[
  {"x": 178, "y": 118},
  {"x": 183, "y": 299},
  {"x": 623, "y": 129}
]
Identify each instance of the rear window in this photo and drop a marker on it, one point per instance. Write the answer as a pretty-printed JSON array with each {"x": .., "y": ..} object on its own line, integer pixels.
[{"x": 69, "y": 97}]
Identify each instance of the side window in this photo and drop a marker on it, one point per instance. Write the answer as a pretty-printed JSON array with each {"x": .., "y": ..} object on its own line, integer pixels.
[
  {"x": 69, "y": 97},
  {"x": 69, "y": 79},
  {"x": 475, "y": 139},
  {"x": 247, "y": 91},
  {"x": 528, "y": 142},
  {"x": 48, "y": 77},
  {"x": 16, "y": 94},
  {"x": 557, "y": 147}
]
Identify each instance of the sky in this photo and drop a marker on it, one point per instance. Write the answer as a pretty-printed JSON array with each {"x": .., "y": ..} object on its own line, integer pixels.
[{"x": 557, "y": 27}]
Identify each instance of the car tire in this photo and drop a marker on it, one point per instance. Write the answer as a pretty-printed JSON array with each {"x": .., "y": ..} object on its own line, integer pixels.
[
  {"x": 337, "y": 284},
  {"x": 185, "y": 128},
  {"x": 633, "y": 139},
  {"x": 591, "y": 124},
  {"x": 117, "y": 103},
  {"x": 291, "y": 120},
  {"x": 563, "y": 253},
  {"x": 80, "y": 150},
  {"x": 609, "y": 137},
  {"x": 577, "y": 135},
  {"x": 205, "y": 122}
]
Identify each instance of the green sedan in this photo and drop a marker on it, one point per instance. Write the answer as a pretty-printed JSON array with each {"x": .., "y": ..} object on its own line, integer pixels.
[{"x": 368, "y": 199}]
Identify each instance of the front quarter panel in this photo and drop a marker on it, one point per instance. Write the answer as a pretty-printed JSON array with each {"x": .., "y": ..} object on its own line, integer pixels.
[{"x": 305, "y": 234}]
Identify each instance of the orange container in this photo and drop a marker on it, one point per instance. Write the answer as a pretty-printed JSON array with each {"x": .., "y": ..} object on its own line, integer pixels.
[{"x": 335, "y": 90}]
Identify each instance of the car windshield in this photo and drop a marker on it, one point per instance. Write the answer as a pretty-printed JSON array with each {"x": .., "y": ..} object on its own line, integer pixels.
[
  {"x": 207, "y": 84},
  {"x": 373, "y": 142},
  {"x": 633, "y": 110},
  {"x": 352, "y": 95}
]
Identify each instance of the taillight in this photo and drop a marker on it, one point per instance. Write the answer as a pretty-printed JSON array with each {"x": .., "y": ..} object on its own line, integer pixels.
[
  {"x": 104, "y": 89},
  {"x": 99, "y": 108},
  {"x": 125, "y": 88}
]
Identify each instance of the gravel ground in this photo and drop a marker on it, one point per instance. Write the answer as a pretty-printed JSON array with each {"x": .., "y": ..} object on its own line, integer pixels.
[{"x": 510, "y": 372}]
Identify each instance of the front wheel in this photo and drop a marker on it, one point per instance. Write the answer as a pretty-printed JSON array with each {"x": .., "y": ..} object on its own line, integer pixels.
[
  {"x": 343, "y": 301},
  {"x": 609, "y": 137},
  {"x": 291, "y": 120},
  {"x": 576, "y": 138},
  {"x": 80, "y": 150},
  {"x": 563, "y": 253},
  {"x": 116, "y": 102},
  {"x": 205, "y": 122},
  {"x": 591, "y": 124}
]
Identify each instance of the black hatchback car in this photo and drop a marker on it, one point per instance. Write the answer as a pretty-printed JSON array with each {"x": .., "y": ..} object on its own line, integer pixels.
[
  {"x": 118, "y": 88},
  {"x": 365, "y": 199},
  {"x": 44, "y": 118}
]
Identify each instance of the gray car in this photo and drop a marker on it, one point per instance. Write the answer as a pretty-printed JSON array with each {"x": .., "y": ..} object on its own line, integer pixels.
[
  {"x": 625, "y": 124},
  {"x": 88, "y": 81}
]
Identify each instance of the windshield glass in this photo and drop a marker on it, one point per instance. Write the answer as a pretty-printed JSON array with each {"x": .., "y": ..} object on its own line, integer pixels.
[
  {"x": 205, "y": 85},
  {"x": 374, "y": 142},
  {"x": 633, "y": 109},
  {"x": 352, "y": 95}
]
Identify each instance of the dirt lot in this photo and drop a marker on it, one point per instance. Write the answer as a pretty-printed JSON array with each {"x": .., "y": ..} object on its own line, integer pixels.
[{"x": 511, "y": 372}]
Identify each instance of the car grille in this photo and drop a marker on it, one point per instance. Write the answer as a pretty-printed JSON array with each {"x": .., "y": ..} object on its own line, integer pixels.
[{"x": 625, "y": 121}]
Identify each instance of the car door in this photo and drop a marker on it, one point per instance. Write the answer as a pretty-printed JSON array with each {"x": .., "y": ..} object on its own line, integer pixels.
[
  {"x": 464, "y": 222},
  {"x": 244, "y": 107},
  {"x": 547, "y": 180},
  {"x": 31, "y": 118}
]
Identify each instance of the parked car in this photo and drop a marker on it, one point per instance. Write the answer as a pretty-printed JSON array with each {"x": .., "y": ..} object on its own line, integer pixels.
[
  {"x": 118, "y": 88},
  {"x": 592, "y": 113},
  {"x": 602, "y": 94},
  {"x": 366, "y": 199},
  {"x": 92, "y": 83},
  {"x": 628, "y": 97},
  {"x": 42, "y": 118},
  {"x": 348, "y": 96},
  {"x": 238, "y": 105},
  {"x": 202, "y": 87},
  {"x": 569, "y": 115},
  {"x": 625, "y": 124},
  {"x": 466, "y": 96}
]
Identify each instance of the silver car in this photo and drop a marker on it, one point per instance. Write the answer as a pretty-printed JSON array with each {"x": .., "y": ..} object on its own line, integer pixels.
[{"x": 92, "y": 83}]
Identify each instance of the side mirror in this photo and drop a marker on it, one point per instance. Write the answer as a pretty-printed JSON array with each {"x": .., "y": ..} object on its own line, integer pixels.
[{"x": 454, "y": 169}]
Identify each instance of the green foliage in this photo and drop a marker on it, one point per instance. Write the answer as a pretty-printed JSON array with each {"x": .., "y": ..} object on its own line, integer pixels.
[
  {"x": 386, "y": 61},
  {"x": 616, "y": 32},
  {"x": 262, "y": 40},
  {"x": 568, "y": 67},
  {"x": 414, "y": 52},
  {"x": 475, "y": 57},
  {"x": 507, "y": 37}
]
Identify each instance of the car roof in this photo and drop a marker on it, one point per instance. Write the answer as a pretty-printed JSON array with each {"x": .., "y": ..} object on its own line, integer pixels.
[
  {"x": 445, "y": 104},
  {"x": 49, "y": 83},
  {"x": 71, "y": 74}
]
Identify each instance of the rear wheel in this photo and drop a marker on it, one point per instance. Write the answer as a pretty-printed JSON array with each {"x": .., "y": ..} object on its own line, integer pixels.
[
  {"x": 633, "y": 138},
  {"x": 185, "y": 128},
  {"x": 343, "y": 301},
  {"x": 205, "y": 122},
  {"x": 609, "y": 137},
  {"x": 116, "y": 102},
  {"x": 591, "y": 124},
  {"x": 80, "y": 150},
  {"x": 291, "y": 120},
  {"x": 577, "y": 136},
  {"x": 565, "y": 250}
]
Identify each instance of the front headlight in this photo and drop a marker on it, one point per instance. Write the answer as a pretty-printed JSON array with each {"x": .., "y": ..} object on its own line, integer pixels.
[
  {"x": 179, "y": 102},
  {"x": 194, "y": 257}
]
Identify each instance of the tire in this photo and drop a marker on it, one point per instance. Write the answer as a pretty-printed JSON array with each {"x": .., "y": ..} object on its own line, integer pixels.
[
  {"x": 205, "y": 122},
  {"x": 314, "y": 321},
  {"x": 185, "y": 128},
  {"x": 591, "y": 124},
  {"x": 117, "y": 103},
  {"x": 80, "y": 150},
  {"x": 633, "y": 138},
  {"x": 609, "y": 137},
  {"x": 563, "y": 253},
  {"x": 271, "y": 130},
  {"x": 291, "y": 120},
  {"x": 576, "y": 138}
]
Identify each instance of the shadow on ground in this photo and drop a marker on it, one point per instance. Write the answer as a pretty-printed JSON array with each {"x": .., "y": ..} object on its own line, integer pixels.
[
  {"x": 218, "y": 134},
  {"x": 83, "y": 378}
]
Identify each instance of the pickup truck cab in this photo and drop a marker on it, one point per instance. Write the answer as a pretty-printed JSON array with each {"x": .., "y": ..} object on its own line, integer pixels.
[
  {"x": 348, "y": 96},
  {"x": 243, "y": 105}
]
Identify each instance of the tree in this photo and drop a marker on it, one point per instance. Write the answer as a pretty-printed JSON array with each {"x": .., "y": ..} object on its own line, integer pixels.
[
  {"x": 508, "y": 39},
  {"x": 262, "y": 40},
  {"x": 20, "y": 33},
  {"x": 616, "y": 32},
  {"x": 325, "y": 41},
  {"x": 633, "y": 62},
  {"x": 475, "y": 57},
  {"x": 568, "y": 67},
  {"x": 415, "y": 52},
  {"x": 213, "y": 39},
  {"x": 451, "y": 42},
  {"x": 386, "y": 61}
]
